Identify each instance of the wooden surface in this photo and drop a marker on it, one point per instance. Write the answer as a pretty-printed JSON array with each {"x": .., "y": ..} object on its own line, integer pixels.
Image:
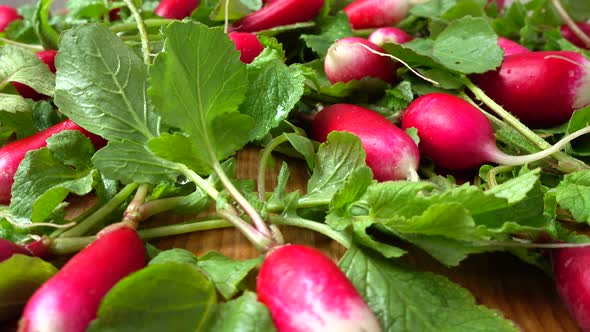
[{"x": 500, "y": 281}]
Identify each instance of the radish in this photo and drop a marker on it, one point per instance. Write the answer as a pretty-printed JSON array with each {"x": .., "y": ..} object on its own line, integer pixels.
[
  {"x": 389, "y": 35},
  {"x": 457, "y": 136},
  {"x": 499, "y": 3},
  {"x": 248, "y": 45},
  {"x": 569, "y": 34},
  {"x": 511, "y": 47},
  {"x": 38, "y": 248},
  {"x": 367, "y": 14},
  {"x": 47, "y": 57},
  {"x": 572, "y": 277},
  {"x": 391, "y": 152},
  {"x": 176, "y": 9},
  {"x": 9, "y": 248},
  {"x": 278, "y": 13},
  {"x": 69, "y": 301},
  {"x": 305, "y": 292},
  {"x": 7, "y": 16},
  {"x": 347, "y": 59},
  {"x": 542, "y": 89},
  {"x": 13, "y": 153}
]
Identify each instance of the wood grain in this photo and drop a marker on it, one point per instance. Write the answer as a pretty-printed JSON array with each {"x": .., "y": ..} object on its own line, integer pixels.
[{"x": 500, "y": 281}]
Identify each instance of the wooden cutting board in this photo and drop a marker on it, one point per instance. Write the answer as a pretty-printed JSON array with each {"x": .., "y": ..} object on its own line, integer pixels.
[{"x": 500, "y": 281}]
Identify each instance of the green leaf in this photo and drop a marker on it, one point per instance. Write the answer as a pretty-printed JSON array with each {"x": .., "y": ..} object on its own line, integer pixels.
[
  {"x": 468, "y": 45},
  {"x": 23, "y": 66},
  {"x": 46, "y": 176},
  {"x": 274, "y": 90},
  {"x": 45, "y": 32},
  {"x": 160, "y": 297},
  {"x": 227, "y": 274},
  {"x": 197, "y": 84},
  {"x": 175, "y": 255},
  {"x": 433, "y": 8},
  {"x": 94, "y": 9},
  {"x": 14, "y": 105},
  {"x": 44, "y": 116},
  {"x": 244, "y": 314},
  {"x": 337, "y": 158},
  {"x": 579, "y": 120},
  {"x": 101, "y": 85},
  {"x": 332, "y": 28},
  {"x": 573, "y": 194},
  {"x": 20, "y": 276},
  {"x": 235, "y": 10},
  {"x": 304, "y": 146},
  {"x": 351, "y": 191},
  {"x": 130, "y": 161},
  {"x": 408, "y": 300}
]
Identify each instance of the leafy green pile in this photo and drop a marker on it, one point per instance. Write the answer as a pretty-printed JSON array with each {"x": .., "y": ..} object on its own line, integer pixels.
[{"x": 177, "y": 122}]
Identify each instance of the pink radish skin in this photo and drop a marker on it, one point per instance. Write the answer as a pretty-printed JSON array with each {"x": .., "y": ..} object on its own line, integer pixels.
[
  {"x": 69, "y": 301},
  {"x": 572, "y": 277},
  {"x": 13, "y": 153},
  {"x": 542, "y": 89},
  {"x": 9, "y": 248},
  {"x": 47, "y": 57},
  {"x": 347, "y": 60},
  {"x": 391, "y": 35},
  {"x": 279, "y": 13},
  {"x": 499, "y": 3},
  {"x": 248, "y": 45},
  {"x": 306, "y": 292},
  {"x": 457, "y": 136},
  {"x": 391, "y": 152},
  {"x": 7, "y": 15},
  {"x": 176, "y": 9},
  {"x": 511, "y": 47},
  {"x": 568, "y": 34},
  {"x": 367, "y": 14}
]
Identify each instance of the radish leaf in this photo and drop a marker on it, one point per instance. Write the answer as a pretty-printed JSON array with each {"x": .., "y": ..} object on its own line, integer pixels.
[
  {"x": 161, "y": 297},
  {"x": 20, "y": 276},
  {"x": 23, "y": 66},
  {"x": 244, "y": 314},
  {"x": 46, "y": 176},
  {"x": 573, "y": 194},
  {"x": 101, "y": 85},
  {"x": 226, "y": 273},
  {"x": 408, "y": 300},
  {"x": 198, "y": 83},
  {"x": 274, "y": 90}
]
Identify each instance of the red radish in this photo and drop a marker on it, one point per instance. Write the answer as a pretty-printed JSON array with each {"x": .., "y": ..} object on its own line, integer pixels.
[
  {"x": 569, "y": 34},
  {"x": 391, "y": 152},
  {"x": 367, "y": 14},
  {"x": 69, "y": 301},
  {"x": 7, "y": 16},
  {"x": 278, "y": 13},
  {"x": 9, "y": 248},
  {"x": 457, "y": 136},
  {"x": 176, "y": 9},
  {"x": 248, "y": 45},
  {"x": 542, "y": 89},
  {"x": 47, "y": 57},
  {"x": 13, "y": 153},
  {"x": 511, "y": 47},
  {"x": 572, "y": 277},
  {"x": 389, "y": 35},
  {"x": 306, "y": 292},
  {"x": 347, "y": 59}
]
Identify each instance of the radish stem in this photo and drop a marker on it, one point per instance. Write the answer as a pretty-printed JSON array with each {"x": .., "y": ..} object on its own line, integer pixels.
[
  {"x": 132, "y": 214},
  {"x": 34, "y": 48},
  {"x": 157, "y": 206},
  {"x": 260, "y": 241},
  {"x": 567, "y": 163},
  {"x": 242, "y": 201},
  {"x": 570, "y": 23},
  {"x": 199, "y": 181},
  {"x": 340, "y": 237},
  {"x": 266, "y": 152},
  {"x": 508, "y": 160},
  {"x": 100, "y": 214},
  {"x": 157, "y": 232},
  {"x": 149, "y": 23},
  {"x": 145, "y": 41}
]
